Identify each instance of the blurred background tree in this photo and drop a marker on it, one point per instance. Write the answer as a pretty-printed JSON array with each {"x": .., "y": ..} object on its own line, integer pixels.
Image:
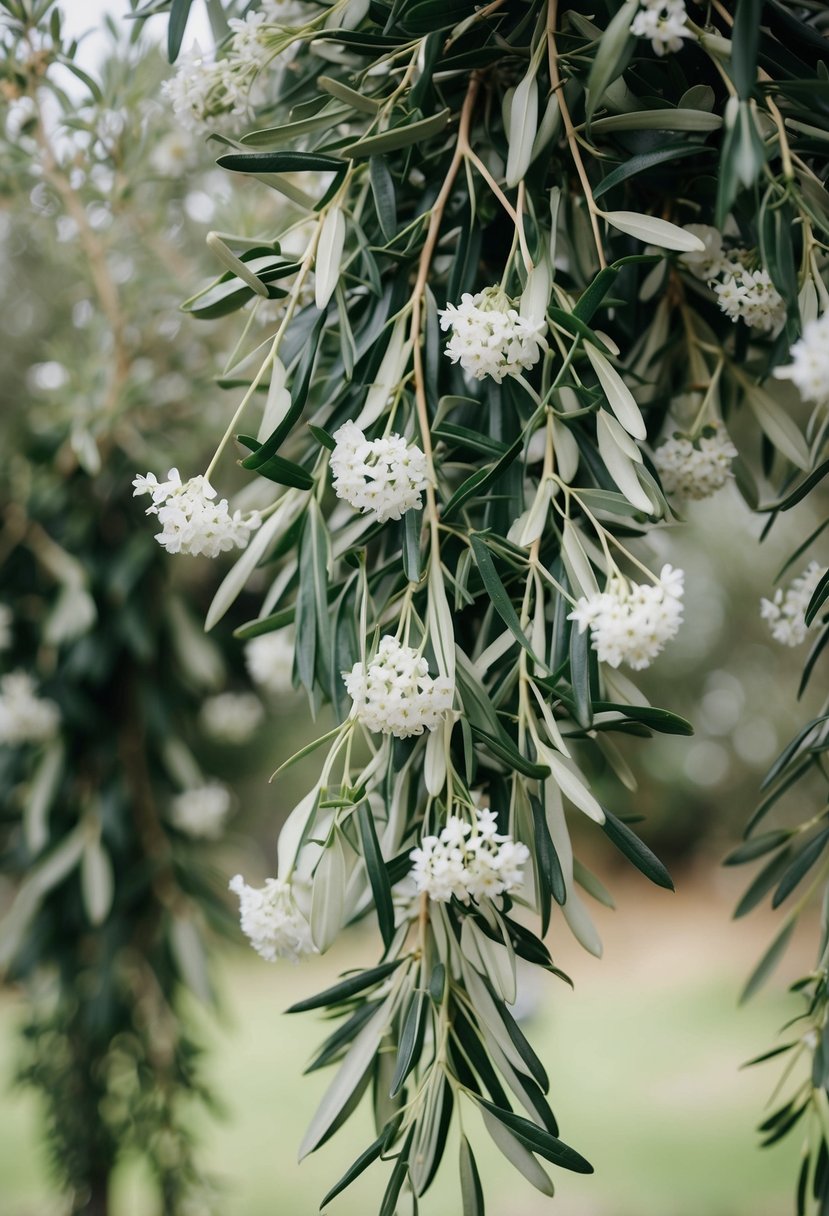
[{"x": 112, "y": 736}]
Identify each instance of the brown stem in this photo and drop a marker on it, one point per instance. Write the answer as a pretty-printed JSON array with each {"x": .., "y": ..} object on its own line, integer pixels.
[
  {"x": 572, "y": 139},
  {"x": 418, "y": 292}
]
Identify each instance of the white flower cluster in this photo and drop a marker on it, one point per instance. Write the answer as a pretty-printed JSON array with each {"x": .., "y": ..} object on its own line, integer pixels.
[
  {"x": 695, "y": 469},
  {"x": 191, "y": 519},
  {"x": 631, "y": 622},
  {"x": 24, "y": 716},
  {"x": 210, "y": 93},
  {"x": 742, "y": 293},
  {"x": 786, "y": 613},
  {"x": 6, "y": 622},
  {"x": 751, "y": 295},
  {"x": 382, "y": 477},
  {"x": 468, "y": 862},
  {"x": 490, "y": 337},
  {"x": 664, "y": 23},
  {"x": 231, "y": 717},
  {"x": 395, "y": 694},
  {"x": 809, "y": 368},
  {"x": 271, "y": 918},
  {"x": 201, "y": 811},
  {"x": 270, "y": 661}
]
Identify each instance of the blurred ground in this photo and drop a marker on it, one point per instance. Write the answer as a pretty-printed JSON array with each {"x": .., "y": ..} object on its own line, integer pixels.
[{"x": 644, "y": 1061}]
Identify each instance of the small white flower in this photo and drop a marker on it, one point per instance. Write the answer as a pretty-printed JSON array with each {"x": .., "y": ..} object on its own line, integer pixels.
[
  {"x": 395, "y": 695},
  {"x": 231, "y": 717},
  {"x": 631, "y": 622},
  {"x": 490, "y": 337},
  {"x": 664, "y": 23},
  {"x": 809, "y": 368},
  {"x": 708, "y": 263},
  {"x": 382, "y": 477},
  {"x": 191, "y": 519},
  {"x": 6, "y": 622},
  {"x": 695, "y": 469},
  {"x": 272, "y": 919},
  {"x": 468, "y": 861},
  {"x": 786, "y": 613},
  {"x": 201, "y": 811},
  {"x": 172, "y": 155},
  {"x": 750, "y": 295},
  {"x": 743, "y": 294},
  {"x": 270, "y": 661},
  {"x": 24, "y": 716}
]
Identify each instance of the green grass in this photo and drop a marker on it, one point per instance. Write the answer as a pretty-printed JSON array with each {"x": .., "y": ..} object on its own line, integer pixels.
[{"x": 644, "y": 1063}]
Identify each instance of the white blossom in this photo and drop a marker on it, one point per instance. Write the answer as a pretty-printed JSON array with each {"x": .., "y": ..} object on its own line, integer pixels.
[
  {"x": 6, "y": 622},
  {"x": 786, "y": 613},
  {"x": 742, "y": 293},
  {"x": 490, "y": 337},
  {"x": 395, "y": 694},
  {"x": 750, "y": 295},
  {"x": 631, "y": 622},
  {"x": 191, "y": 519},
  {"x": 209, "y": 94},
  {"x": 270, "y": 661},
  {"x": 172, "y": 155},
  {"x": 231, "y": 717},
  {"x": 24, "y": 716},
  {"x": 382, "y": 477},
  {"x": 198, "y": 91},
  {"x": 664, "y": 23},
  {"x": 695, "y": 468},
  {"x": 201, "y": 811},
  {"x": 709, "y": 262},
  {"x": 468, "y": 861},
  {"x": 809, "y": 368},
  {"x": 272, "y": 919}
]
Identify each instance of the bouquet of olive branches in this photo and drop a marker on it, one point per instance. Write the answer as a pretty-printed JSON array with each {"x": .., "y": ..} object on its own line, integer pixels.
[{"x": 545, "y": 274}]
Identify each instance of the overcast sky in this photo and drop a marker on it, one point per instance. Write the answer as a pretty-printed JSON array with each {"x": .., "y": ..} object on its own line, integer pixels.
[{"x": 85, "y": 17}]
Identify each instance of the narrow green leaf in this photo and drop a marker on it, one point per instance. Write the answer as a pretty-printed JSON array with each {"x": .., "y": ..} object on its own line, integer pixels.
[
  {"x": 548, "y": 863},
  {"x": 645, "y": 161},
  {"x": 343, "y": 991},
  {"x": 280, "y": 162},
  {"x": 358, "y": 101},
  {"x": 299, "y": 392},
  {"x": 411, "y": 1039},
  {"x": 504, "y": 749},
  {"x": 757, "y": 846},
  {"x": 497, "y": 592},
  {"x": 800, "y": 867},
  {"x": 636, "y": 851},
  {"x": 612, "y": 55},
  {"x": 398, "y": 1177},
  {"x": 283, "y": 472},
  {"x": 412, "y": 522},
  {"x": 374, "y": 1150},
  {"x": 382, "y": 189},
  {"x": 769, "y": 961},
  {"x": 745, "y": 41},
  {"x": 763, "y": 883},
  {"x": 482, "y": 479},
  {"x": 377, "y": 873},
  {"x": 179, "y": 12},
  {"x": 819, "y": 598},
  {"x": 398, "y": 137},
  {"x": 660, "y": 720},
  {"x": 539, "y": 1141},
  {"x": 472, "y": 1195}
]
